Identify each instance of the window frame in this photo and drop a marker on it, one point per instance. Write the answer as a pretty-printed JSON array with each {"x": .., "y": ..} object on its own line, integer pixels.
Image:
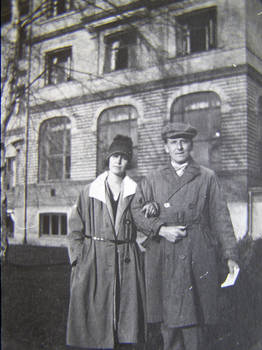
[
  {"x": 206, "y": 103},
  {"x": 54, "y": 7},
  {"x": 121, "y": 56},
  {"x": 6, "y": 10},
  {"x": 116, "y": 117},
  {"x": 259, "y": 132},
  {"x": 52, "y": 69},
  {"x": 206, "y": 20},
  {"x": 61, "y": 216},
  {"x": 10, "y": 172},
  {"x": 47, "y": 157}
]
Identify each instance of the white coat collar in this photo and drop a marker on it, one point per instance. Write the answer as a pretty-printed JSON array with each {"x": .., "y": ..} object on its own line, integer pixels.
[{"x": 98, "y": 189}]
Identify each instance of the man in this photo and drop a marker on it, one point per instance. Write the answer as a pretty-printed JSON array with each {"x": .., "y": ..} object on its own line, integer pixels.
[{"x": 187, "y": 240}]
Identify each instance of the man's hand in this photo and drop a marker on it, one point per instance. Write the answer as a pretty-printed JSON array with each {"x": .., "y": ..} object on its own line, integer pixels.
[
  {"x": 173, "y": 233},
  {"x": 232, "y": 266},
  {"x": 150, "y": 209}
]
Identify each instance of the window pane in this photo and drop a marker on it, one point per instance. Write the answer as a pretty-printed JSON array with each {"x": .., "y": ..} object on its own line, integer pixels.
[
  {"x": 56, "y": 142},
  {"x": 68, "y": 142},
  {"x": 61, "y": 6},
  {"x": 122, "y": 58},
  {"x": 259, "y": 131},
  {"x": 44, "y": 224},
  {"x": 63, "y": 225},
  {"x": 58, "y": 7},
  {"x": 10, "y": 172},
  {"x": 202, "y": 110},
  {"x": 54, "y": 223},
  {"x": 10, "y": 226},
  {"x": 196, "y": 31},
  {"x": 120, "y": 51},
  {"x": 55, "y": 168},
  {"x": 118, "y": 120},
  {"x": 200, "y": 153},
  {"x": 58, "y": 65},
  {"x": 198, "y": 39},
  {"x": 43, "y": 167},
  {"x": 55, "y": 149},
  {"x": 24, "y": 7},
  {"x": 67, "y": 167},
  {"x": 5, "y": 11}
]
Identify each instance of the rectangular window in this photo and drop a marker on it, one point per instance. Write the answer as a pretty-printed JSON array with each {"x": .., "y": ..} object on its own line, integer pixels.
[
  {"x": 53, "y": 224},
  {"x": 24, "y": 7},
  {"x": 196, "y": 32},
  {"x": 58, "y": 66},
  {"x": 58, "y": 7},
  {"x": 6, "y": 9},
  {"x": 120, "y": 51}
]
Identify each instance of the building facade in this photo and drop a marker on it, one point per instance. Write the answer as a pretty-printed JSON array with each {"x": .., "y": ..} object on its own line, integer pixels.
[{"x": 99, "y": 68}]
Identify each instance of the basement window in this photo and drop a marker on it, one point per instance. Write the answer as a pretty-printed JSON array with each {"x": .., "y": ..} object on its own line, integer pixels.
[
  {"x": 120, "y": 51},
  {"x": 53, "y": 224},
  {"x": 196, "y": 32}
]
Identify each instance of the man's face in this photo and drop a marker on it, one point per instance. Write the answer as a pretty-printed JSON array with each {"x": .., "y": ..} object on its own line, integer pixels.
[
  {"x": 118, "y": 163},
  {"x": 179, "y": 149}
]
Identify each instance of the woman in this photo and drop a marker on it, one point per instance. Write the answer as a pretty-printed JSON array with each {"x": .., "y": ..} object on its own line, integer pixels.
[{"x": 107, "y": 303}]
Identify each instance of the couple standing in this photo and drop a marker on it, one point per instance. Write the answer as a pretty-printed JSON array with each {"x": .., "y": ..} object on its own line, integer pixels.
[{"x": 180, "y": 210}]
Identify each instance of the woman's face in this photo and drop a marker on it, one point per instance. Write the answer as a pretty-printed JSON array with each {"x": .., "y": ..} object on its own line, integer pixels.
[{"x": 118, "y": 163}]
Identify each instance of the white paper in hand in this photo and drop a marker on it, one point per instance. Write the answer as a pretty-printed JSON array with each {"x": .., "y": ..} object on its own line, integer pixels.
[{"x": 231, "y": 278}]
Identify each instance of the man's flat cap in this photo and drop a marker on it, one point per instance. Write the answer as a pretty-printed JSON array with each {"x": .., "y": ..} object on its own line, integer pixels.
[{"x": 174, "y": 130}]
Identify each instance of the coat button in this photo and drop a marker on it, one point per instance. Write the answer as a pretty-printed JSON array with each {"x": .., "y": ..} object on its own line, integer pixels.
[{"x": 182, "y": 256}]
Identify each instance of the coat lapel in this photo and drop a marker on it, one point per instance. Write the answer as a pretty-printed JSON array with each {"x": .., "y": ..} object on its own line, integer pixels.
[
  {"x": 128, "y": 189},
  {"x": 98, "y": 191},
  {"x": 191, "y": 171}
]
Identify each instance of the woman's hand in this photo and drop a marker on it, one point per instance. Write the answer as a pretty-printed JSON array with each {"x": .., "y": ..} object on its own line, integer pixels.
[{"x": 150, "y": 209}]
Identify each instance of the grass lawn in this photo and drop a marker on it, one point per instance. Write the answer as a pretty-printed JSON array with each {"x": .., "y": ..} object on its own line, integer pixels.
[{"x": 35, "y": 296}]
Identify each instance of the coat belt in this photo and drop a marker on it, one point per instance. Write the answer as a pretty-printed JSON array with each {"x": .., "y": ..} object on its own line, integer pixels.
[{"x": 115, "y": 241}]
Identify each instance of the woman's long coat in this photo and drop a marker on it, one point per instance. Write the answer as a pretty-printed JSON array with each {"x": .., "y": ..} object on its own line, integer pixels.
[
  {"x": 182, "y": 278},
  {"x": 92, "y": 309}
]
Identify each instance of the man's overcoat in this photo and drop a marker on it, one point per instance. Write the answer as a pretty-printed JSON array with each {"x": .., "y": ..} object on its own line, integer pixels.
[
  {"x": 182, "y": 278},
  {"x": 92, "y": 309}
]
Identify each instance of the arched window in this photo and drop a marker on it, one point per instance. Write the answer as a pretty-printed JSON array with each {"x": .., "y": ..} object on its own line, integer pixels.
[
  {"x": 259, "y": 130},
  {"x": 201, "y": 110},
  {"x": 113, "y": 121},
  {"x": 55, "y": 149}
]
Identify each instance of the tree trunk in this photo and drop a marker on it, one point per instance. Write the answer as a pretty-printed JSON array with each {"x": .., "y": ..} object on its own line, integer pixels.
[{"x": 8, "y": 100}]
